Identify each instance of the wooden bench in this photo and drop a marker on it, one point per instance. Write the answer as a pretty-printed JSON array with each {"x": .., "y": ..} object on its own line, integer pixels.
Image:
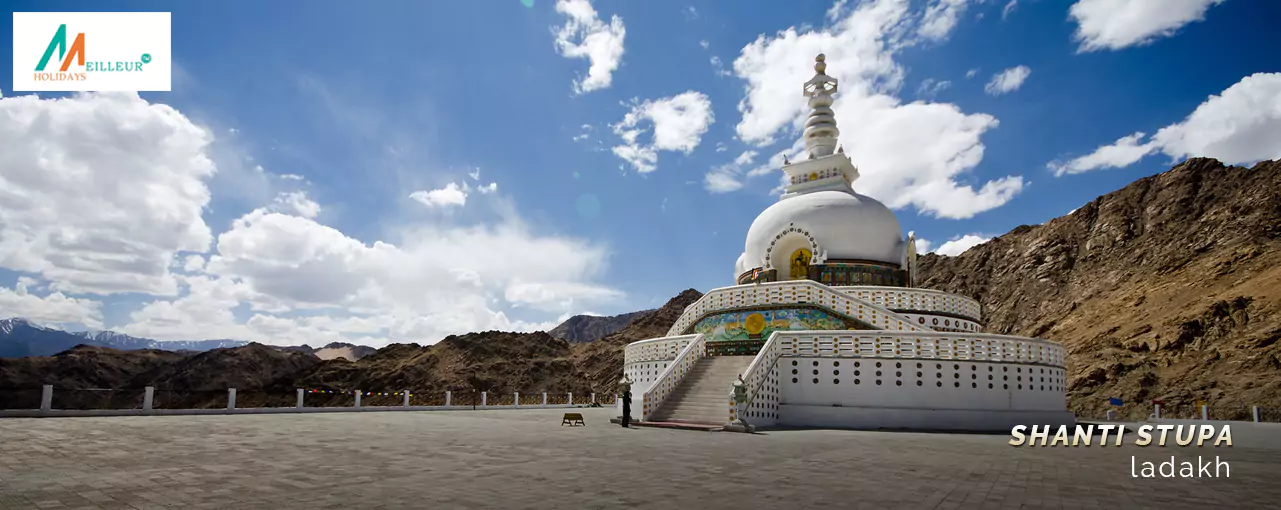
[{"x": 573, "y": 419}]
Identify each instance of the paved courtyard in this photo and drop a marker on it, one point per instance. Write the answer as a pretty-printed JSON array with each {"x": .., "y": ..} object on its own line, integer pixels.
[{"x": 525, "y": 459}]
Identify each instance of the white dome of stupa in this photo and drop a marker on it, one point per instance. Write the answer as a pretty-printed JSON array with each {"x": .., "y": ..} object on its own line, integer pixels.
[
  {"x": 820, "y": 214},
  {"x": 845, "y": 225}
]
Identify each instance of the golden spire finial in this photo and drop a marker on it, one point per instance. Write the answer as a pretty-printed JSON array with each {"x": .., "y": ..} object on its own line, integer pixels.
[{"x": 820, "y": 64}]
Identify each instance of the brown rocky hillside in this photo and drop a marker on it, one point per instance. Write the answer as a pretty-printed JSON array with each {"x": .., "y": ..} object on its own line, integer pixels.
[
  {"x": 1168, "y": 289},
  {"x": 589, "y": 328}
]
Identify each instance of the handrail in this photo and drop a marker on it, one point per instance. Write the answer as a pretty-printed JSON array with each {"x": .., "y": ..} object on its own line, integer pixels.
[
  {"x": 672, "y": 375},
  {"x": 759, "y": 368},
  {"x": 827, "y": 296},
  {"x": 937, "y": 345},
  {"x": 965, "y": 306}
]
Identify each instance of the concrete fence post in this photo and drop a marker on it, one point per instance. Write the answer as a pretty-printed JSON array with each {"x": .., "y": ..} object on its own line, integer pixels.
[
  {"x": 1256, "y": 414},
  {"x": 544, "y": 399},
  {"x": 231, "y": 399},
  {"x": 516, "y": 400},
  {"x": 1205, "y": 412},
  {"x": 1157, "y": 414},
  {"x": 571, "y": 398},
  {"x": 593, "y": 397},
  {"x": 449, "y": 397},
  {"x": 46, "y": 399},
  {"x": 148, "y": 396},
  {"x": 358, "y": 392},
  {"x": 299, "y": 402},
  {"x": 406, "y": 392},
  {"x": 484, "y": 398}
]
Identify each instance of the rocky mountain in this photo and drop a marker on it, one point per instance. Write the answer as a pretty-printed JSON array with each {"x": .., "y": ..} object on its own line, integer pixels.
[
  {"x": 494, "y": 361},
  {"x": 589, "y": 328},
  {"x": 20, "y": 337},
  {"x": 1168, "y": 289},
  {"x": 334, "y": 350}
]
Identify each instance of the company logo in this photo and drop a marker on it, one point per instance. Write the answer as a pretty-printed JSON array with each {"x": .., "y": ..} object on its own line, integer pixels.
[{"x": 91, "y": 51}]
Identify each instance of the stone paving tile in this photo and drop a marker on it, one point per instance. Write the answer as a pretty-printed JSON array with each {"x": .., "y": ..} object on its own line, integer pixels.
[{"x": 525, "y": 459}]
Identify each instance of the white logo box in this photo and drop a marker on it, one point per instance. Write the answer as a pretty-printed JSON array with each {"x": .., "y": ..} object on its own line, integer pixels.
[{"x": 114, "y": 47}]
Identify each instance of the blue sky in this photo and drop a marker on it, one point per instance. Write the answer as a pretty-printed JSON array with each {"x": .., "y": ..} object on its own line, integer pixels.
[{"x": 323, "y": 120}]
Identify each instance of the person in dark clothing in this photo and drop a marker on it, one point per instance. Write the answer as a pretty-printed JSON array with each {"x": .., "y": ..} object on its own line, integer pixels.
[{"x": 627, "y": 409}]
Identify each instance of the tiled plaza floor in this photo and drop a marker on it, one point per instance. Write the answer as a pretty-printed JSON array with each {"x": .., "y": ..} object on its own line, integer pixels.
[{"x": 525, "y": 459}]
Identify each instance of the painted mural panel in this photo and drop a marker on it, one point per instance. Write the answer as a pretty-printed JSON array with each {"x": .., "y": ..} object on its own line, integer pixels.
[{"x": 759, "y": 324}]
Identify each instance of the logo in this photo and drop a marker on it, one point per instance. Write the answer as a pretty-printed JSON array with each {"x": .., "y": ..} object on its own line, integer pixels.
[{"x": 91, "y": 51}]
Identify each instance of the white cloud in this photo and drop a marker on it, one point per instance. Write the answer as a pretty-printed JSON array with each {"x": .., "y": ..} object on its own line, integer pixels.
[
  {"x": 704, "y": 43},
  {"x": 930, "y": 88},
  {"x": 487, "y": 188},
  {"x": 98, "y": 192},
  {"x": 1007, "y": 81},
  {"x": 1238, "y": 126},
  {"x": 940, "y": 18},
  {"x": 718, "y": 66},
  {"x": 193, "y": 264},
  {"x": 296, "y": 202},
  {"x": 1009, "y": 8},
  {"x": 450, "y": 195},
  {"x": 584, "y": 35},
  {"x": 1124, "y": 152},
  {"x": 691, "y": 12},
  {"x": 55, "y": 308},
  {"x": 914, "y": 154},
  {"x": 678, "y": 122},
  {"x": 958, "y": 245},
  {"x": 1117, "y": 24},
  {"x": 971, "y": 73},
  {"x": 438, "y": 280},
  {"x": 291, "y": 177},
  {"x": 923, "y": 245}
]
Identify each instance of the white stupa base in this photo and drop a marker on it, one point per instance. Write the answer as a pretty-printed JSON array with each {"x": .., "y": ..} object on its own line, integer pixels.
[{"x": 872, "y": 418}]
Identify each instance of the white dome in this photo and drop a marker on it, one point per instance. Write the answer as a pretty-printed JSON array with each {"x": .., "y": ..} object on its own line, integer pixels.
[{"x": 846, "y": 225}]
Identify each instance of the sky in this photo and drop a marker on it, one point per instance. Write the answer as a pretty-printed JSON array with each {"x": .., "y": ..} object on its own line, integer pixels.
[{"x": 399, "y": 171}]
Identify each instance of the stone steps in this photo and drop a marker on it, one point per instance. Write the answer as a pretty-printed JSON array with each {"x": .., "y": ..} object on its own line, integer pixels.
[{"x": 703, "y": 394}]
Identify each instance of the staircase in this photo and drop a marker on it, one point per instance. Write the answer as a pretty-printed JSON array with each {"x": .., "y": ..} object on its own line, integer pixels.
[{"x": 703, "y": 394}]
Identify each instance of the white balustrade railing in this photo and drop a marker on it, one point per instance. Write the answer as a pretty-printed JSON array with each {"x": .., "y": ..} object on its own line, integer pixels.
[
  {"x": 923, "y": 300},
  {"x": 757, "y": 371},
  {"x": 656, "y": 349},
  {"x": 685, "y": 360},
  {"x": 793, "y": 292},
  {"x": 920, "y": 345}
]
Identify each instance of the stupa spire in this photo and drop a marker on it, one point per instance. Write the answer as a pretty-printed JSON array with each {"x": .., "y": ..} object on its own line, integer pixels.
[{"x": 820, "y": 128}]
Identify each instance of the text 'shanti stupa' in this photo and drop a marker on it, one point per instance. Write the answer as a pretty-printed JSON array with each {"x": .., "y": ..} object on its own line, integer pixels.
[{"x": 825, "y": 328}]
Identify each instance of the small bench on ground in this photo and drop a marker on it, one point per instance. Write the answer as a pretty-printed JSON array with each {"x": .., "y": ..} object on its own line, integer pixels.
[{"x": 573, "y": 419}]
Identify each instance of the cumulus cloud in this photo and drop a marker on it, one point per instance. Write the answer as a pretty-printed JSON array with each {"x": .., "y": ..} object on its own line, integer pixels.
[
  {"x": 1007, "y": 81},
  {"x": 718, "y": 67},
  {"x": 1124, "y": 152},
  {"x": 98, "y": 192},
  {"x": 1237, "y": 126},
  {"x": 584, "y": 35},
  {"x": 55, "y": 308},
  {"x": 450, "y": 195},
  {"x": 971, "y": 73},
  {"x": 958, "y": 245},
  {"x": 193, "y": 264},
  {"x": 296, "y": 202},
  {"x": 1117, "y": 24},
  {"x": 915, "y": 154},
  {"x": 678, "y": 124}
]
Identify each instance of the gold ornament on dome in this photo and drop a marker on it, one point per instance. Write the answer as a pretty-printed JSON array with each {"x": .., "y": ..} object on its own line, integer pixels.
[{"x": 755, "y": 324}]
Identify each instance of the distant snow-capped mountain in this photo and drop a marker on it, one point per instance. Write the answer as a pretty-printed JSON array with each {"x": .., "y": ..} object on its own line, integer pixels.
[{"x": 20, "y": 337}]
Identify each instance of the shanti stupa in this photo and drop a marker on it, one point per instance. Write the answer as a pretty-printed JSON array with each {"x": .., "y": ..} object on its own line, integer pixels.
[{"x": 826, "y": 327}]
